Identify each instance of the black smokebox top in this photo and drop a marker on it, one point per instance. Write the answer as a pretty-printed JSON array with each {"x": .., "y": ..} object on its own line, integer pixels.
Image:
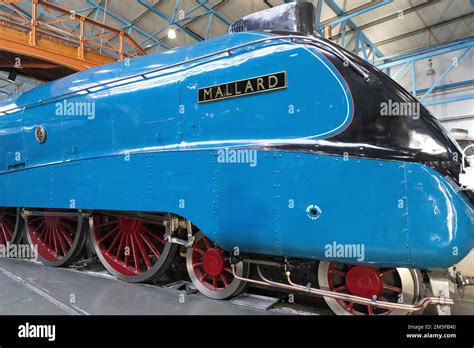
[{"x": 298, "y": 17}]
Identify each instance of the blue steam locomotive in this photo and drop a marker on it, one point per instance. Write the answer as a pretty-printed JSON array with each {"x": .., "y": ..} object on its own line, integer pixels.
[{"x": 268, "y": 148}]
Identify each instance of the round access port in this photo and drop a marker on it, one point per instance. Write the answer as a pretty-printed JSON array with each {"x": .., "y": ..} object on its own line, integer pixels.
[{"x": 313, "y": 212}]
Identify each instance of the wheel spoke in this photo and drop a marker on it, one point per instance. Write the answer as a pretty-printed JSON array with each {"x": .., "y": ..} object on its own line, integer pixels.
[
  {"x": 387, "y": 272},
  {"x": 204, "y": 276},
  {"x": 338, "y": 273},
  {"x": 55, "y": 243},
  {"x": 350, "y": 307},
  {"x": 67, "y": 237},
  {"x": 136, "y": 256},
  {"x": 36, "y": 218},
  {"x": 153, "y": 234},
  {"x": 107, "y": 235},
  {"x": 370, "y": 310},
  {"x": 40, "y": 229},
  {"x": 5, "y": 234},
  {"x": 9, "y": 231},
  {"x": 392, "y": 288},
  {"x": 199, "y": 251},
  {"x": 143, "y": 252},
  {"x": 67, "y": 227},
  {"x": 150, "y": 245},
  {"x": 127, "y": 251},
  {"x": 49, "y": 244},
  {"x": 9, "y": 223},
  {"x": 121, "y": 246},
  {"x": 214, "y": 282},
  {"x": 207, "y": 243},
  {"x": 62, "y": 244},
  {"x": 106, "y": 224},
  {"x": 224, "y": 280},
  {"x": 47, "y": 241},
  {"x": 340, "y": 288},
  {"x": 109, "y": 249}
]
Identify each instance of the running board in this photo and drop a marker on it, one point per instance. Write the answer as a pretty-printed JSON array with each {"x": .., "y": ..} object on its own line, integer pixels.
[{"x": 442, "y": 301}]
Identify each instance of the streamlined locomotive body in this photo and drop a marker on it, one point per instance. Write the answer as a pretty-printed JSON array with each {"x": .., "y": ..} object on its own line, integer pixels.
[{"x": 258, "y": 145}]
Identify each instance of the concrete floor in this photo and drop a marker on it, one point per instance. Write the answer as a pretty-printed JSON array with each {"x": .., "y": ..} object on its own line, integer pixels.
[
  {"x": 28, "y": 288},
  {"x": 464, "y": 305},
  {"x": 32, "y": 289}
]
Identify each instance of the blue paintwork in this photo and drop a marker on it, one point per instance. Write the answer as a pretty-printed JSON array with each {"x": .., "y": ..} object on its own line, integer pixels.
[{"x": 152, "y": 147}]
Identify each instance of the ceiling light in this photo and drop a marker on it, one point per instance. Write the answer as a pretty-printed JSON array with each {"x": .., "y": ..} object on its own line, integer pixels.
[
  {"x": 172, "y": 33},
  {"x": 430, "y": 71}
]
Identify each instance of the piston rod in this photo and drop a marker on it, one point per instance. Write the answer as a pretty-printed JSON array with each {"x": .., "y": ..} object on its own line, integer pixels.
[{"x": 25, "y": 213}]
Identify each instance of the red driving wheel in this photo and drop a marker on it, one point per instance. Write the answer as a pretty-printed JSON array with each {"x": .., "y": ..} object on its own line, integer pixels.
[
  {"x": 58, "y": 239},
  {"x": 210, "y": 270},
  {"x": 396, "y": 285},
  {"x": 131, "y": 249}
]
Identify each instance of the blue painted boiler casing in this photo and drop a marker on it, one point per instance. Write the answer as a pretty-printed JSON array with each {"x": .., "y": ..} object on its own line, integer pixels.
[{"x": 151, "y": 146}]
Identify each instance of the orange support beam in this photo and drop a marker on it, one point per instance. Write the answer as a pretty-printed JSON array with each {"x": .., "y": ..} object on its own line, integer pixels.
[
  {"x": 16, "y": 41},
  {"x": 55, "y": 42}
]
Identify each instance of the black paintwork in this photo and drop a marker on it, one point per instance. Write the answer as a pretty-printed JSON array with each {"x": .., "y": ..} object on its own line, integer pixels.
[
  {"x": 416, "y": 139},
  {"x": 294, "y": 17}
]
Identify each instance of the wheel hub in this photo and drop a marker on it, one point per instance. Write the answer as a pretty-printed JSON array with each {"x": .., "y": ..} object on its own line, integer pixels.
[
  {"x": 363, "y": 281},
  {"x": 52, "y": 221},
  {"x": 129, "y": 225},
  {"x": 213, "y": 262}
]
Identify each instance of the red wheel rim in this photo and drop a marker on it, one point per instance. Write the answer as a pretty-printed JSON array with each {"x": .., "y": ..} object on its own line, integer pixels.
[
  {"x": 130, "y": 246},
  {"x": 8, "y": 220},
  {"x": 53, "y": 236},
  {"x": 210, "y": 265},
  {"x": 364, "y": 281}
]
